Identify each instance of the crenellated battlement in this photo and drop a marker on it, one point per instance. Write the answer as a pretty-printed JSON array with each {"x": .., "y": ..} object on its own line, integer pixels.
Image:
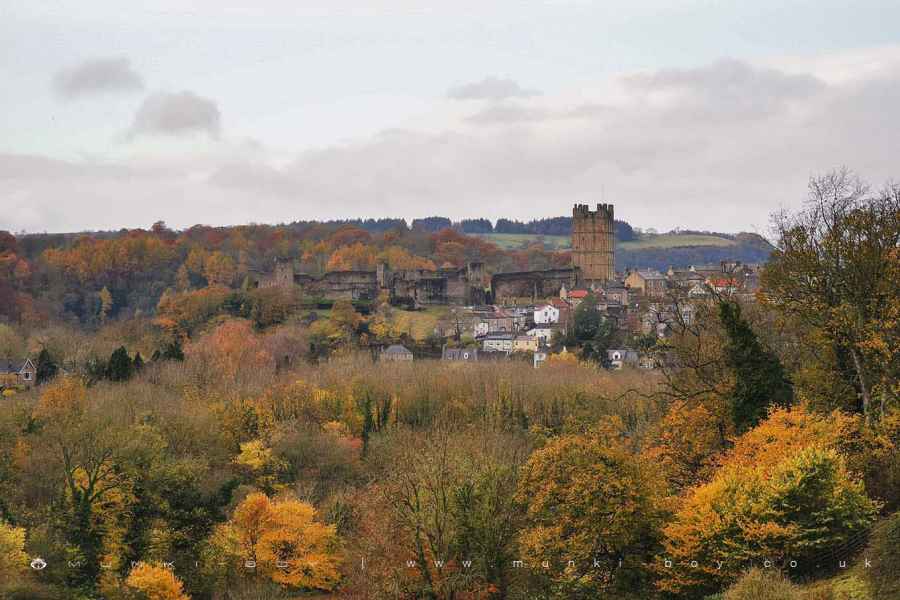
[{"x": 605, "y": 211}]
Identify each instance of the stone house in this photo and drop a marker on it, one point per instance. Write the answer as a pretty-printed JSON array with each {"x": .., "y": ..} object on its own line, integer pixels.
[
  {"x": 17, "y": 373},
  {"x": 525, "y": 343},
  {"x": 498, "y": 342},
  {"x": 649, "y": 282}
]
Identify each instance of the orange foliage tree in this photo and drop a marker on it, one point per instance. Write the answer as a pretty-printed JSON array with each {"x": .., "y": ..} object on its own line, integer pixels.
[
  {"x": 356, "y": 257},
  {"x": 591, "y": 501},
  {"x": 156, "y": 583},
  {"x": 782, "y": 493},
  {"x": 281, "y": 539},
  {"x": 91, "y": 259},
  {"x": 231, "y": 350}
]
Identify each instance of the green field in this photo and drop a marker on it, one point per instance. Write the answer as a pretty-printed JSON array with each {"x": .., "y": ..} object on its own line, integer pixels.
[{"x": 512, "y": 241}]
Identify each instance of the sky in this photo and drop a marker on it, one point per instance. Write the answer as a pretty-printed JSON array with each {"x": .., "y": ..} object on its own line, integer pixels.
[{"x": 697, "y": 114}]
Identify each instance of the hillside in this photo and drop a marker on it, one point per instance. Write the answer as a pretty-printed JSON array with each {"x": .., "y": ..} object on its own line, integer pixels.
[{"x": 657, "y": 251}]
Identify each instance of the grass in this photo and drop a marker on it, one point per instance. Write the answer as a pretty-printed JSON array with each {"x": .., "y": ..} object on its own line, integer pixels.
[{"x": 512, "y": 241}]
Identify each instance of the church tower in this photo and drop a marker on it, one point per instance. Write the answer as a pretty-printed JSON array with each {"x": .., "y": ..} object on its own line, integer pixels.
[{"x": 593, "y": 243}]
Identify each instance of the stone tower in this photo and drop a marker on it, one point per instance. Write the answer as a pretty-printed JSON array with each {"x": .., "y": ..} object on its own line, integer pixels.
[{"x": 593, "y": 242}]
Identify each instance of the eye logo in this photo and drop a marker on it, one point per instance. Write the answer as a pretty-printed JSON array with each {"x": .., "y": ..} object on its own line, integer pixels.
[{"x": 38, "y": 564}]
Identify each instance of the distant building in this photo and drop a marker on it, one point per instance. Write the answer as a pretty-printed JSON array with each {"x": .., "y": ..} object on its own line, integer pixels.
[
  {"x": 396, "y": 352},
  {"x": 539, "y": 358},
  {"x": 649, "y": 282},
  {"x": 525, "y": 343},
  {"x": 575, "y": 297},
  {"x": 459, "y": 354},
  {"x": 621, "y": 357},
  {"x": 684, "y": 278},
  {"x": 616, "y": 292},
  {"x": 17, "y": 373},
  {"x": 543, "y": 334},
  {"x": 498, "y": 342},
  {"x": 546, "y": 314}
]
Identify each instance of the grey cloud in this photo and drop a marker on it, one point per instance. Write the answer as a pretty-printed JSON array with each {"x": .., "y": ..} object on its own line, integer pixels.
[
  {"x": 727, "y": 89},
  {"x": 176, "y": 114},
  {"x": 97, "y": 76},
  {"x": 661, "y": 171},
  {"x": 508, "y": 113},
  {"x": 490, "y": 88}
]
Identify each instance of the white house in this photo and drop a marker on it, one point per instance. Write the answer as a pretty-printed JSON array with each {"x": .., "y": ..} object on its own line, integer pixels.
[
  {"x": 543, "y": 334},
  {"x": 546, "y": 314}
]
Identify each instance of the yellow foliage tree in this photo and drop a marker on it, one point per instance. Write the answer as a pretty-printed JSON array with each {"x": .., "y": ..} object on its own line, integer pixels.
[
  {"x": 685, "y": 443},
  {"x": 589, "y": 499},
  {"x": 13, "y": 559},
  {"x": 355, "y": 257},
  {"x": 284, "y": 541},
  {"x": 156, "y": 583},
  {"x": 781, "y": 502}
]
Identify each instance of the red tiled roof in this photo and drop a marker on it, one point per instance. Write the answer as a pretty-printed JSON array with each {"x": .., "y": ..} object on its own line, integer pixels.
[{"x": 578, "y": 294}]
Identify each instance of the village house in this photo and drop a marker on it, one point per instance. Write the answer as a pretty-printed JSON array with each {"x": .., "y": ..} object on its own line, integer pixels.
[
  {"x": 525, "y": 343},
  {"x": 615, "y": 291},
  {"x": 539, "y": 358},
  {"x": 396, "y": 352},
  {"x": 698, "y": 291},
  {"x": 543, "y": 333},
  {"x": 498, "y": 342},
  {"x": 684, "y": 278},
  {"x": 17, "y": 373},
  {"x": 622, "y": 357},
  {"x": 575, "y": 297},
  {"x": 546, "y": 314},
  {"x": 724, "y": 285},
  {"x": 649, "y": 282}
]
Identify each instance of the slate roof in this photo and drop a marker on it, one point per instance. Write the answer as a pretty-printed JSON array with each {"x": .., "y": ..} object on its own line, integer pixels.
[
  {"x": 11, "y": 365},
  {"x": 396, "y": 349}
]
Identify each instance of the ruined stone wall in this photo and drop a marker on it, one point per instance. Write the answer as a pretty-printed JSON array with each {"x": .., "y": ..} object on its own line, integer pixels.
[
  {"x": 444, "y": 286},
  {"x": 532, "y": 284}
]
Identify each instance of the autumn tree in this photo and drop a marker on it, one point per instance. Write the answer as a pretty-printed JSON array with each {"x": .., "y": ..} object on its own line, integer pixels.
[
  {"x": 156, "y": 583},
  {"x": 106, "y": 303},
  {"x": 783, "y": 492},
  {"x": 835, "y": 272},
  {"x": 454, "y": 512},
  {"x": 282, "y": 538},
  {"x": 85, "y": 450},
  {"x": 13, "y": 560},
  {"x": 685, "y": 442},
  {"x": 355, "y": 257},
  {"x": 232, "y": 351},
  {"x": 591, "y": 501}
]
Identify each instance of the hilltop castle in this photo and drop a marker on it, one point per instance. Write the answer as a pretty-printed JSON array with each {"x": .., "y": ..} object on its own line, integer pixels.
[{"x": 593, "y": 261}]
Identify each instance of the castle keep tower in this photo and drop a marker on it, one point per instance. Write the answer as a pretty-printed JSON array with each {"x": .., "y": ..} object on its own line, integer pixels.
[{"x": 593, "y": 242}]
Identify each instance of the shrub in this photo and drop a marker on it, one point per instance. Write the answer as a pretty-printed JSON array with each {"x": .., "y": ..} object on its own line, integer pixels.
[
  {"x": 884, "y": 574},
  {"x": 758, "y": 584}
]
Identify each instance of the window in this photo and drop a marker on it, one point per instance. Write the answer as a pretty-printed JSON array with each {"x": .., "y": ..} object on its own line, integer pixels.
[{"x": 27, "y": 375}]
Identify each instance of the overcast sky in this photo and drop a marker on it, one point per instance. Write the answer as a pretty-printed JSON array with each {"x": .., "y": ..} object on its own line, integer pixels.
[{"x": 690, "y": 113}]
